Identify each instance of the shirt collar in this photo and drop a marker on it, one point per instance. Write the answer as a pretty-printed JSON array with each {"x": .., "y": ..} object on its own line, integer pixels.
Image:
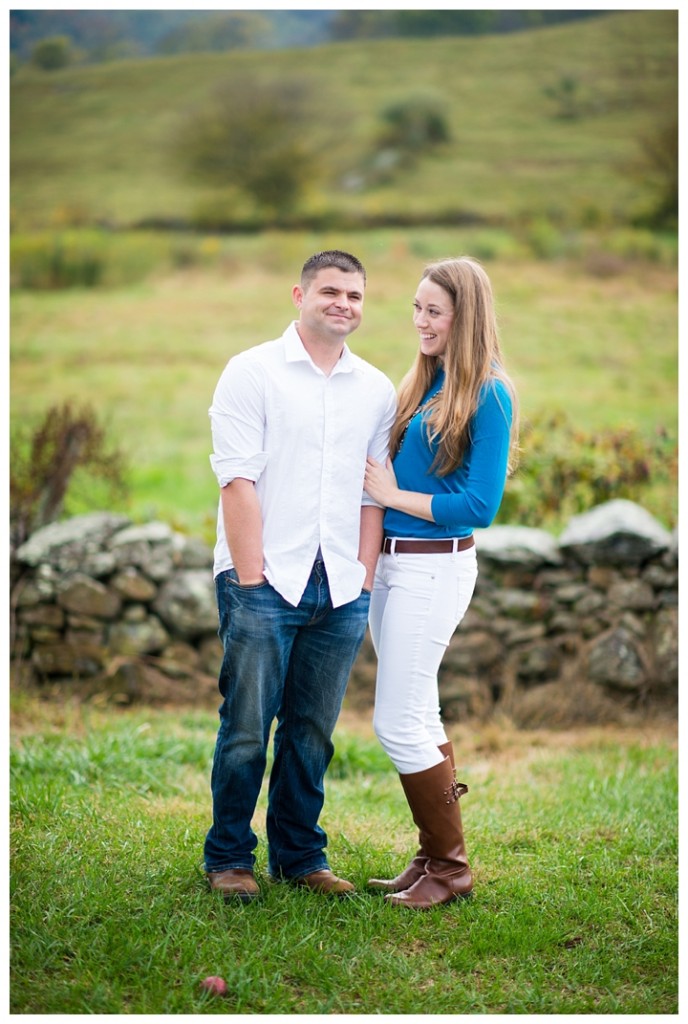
[{"x": 295, "y": 351}]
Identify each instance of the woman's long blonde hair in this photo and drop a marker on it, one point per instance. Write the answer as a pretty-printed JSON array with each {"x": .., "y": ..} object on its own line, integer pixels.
[{"x": 472, "y": 358}]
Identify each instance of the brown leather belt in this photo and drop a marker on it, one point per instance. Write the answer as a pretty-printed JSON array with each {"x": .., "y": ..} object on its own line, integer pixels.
[{"x": 392, "y": 545}]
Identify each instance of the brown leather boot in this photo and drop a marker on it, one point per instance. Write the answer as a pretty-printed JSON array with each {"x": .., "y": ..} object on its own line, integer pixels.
[
  {"x": 433, "y": 797},
  {"x": 416, "y": 868},
  {"x": 407, "y": 877}
]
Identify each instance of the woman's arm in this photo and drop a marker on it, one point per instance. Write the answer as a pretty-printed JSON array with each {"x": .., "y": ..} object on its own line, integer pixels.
[
  {"x": 475, "y": 501},
  {"x": 381, "y": 485}
]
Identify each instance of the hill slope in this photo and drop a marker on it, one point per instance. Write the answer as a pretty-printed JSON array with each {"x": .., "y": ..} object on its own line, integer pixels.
[{"x": 94, "y": 143}]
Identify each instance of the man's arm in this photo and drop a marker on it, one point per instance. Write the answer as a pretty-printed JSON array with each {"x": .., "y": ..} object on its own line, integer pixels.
[
  {"x": 244, "y": 529},
  {"x": 371, "y": 541}
]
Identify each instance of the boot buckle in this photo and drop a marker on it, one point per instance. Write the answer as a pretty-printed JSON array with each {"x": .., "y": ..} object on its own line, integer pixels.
[{"x": 457, "y": 789}]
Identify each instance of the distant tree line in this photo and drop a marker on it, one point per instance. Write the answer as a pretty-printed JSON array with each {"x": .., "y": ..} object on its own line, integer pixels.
[
  {"x": 96, "y": 36},
  {"x": 419, "y": 24}
]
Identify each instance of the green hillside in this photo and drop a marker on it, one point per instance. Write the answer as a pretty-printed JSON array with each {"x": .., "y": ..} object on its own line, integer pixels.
[{"x": 543, "y": 123}]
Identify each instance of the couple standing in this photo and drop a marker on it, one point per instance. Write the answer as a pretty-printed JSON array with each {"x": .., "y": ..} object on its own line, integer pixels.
[{"x": 318, "y": 534}]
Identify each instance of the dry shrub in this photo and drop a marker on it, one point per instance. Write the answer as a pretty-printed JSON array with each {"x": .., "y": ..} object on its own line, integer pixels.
[
  {"x": 565, "y": 704},
  {"x": 43, "y": 464}
]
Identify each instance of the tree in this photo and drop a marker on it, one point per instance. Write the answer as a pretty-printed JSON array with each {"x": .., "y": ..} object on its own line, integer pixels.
[
  {"x": 418, "y": 24},
  {"x": 416, "y": 122},
  {"x": 217, "y": 31},
  {"x": 381, "y": 24},
  {"x": 658, "y": 168},
  {"x": 257, "y": 136},
  {"x": 53, "y": 53}
]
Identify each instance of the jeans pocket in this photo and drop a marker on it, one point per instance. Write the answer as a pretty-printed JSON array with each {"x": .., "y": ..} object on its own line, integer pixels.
[{"x": 234, "y": 580}]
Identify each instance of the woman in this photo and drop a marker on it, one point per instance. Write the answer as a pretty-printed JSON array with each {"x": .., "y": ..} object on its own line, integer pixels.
[{"x": 452, "y": 443}]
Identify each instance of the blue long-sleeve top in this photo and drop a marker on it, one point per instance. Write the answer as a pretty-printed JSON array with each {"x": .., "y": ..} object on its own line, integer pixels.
[{"x": 470, "y": 496}]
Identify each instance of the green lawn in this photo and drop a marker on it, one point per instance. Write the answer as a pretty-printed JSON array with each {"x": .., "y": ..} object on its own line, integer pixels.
[{"x": 572, "y": 838}]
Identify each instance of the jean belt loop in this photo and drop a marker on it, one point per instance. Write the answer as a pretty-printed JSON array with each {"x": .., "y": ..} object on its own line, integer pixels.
[
  {"x": 455, "y": 546},
  {"x": 393, "y": 546}
]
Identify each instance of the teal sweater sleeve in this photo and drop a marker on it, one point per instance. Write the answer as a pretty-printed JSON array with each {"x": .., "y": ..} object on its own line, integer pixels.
[
  {"x": 470, "y": 497},
  {"x": 477, "y": 486}
]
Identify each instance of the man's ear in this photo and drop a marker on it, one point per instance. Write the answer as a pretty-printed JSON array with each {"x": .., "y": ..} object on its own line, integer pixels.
[{"x": 297, "y": 295}]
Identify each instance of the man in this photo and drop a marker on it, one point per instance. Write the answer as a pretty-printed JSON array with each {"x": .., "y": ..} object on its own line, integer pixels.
[{"x": 293, "y": 421}]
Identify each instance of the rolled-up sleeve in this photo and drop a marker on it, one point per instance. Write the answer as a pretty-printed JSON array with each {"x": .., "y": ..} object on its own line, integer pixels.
[{"x": 237, "y": 420}]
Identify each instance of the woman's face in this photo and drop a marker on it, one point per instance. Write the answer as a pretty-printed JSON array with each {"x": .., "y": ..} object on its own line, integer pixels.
[{"x": 433, "y": 314}]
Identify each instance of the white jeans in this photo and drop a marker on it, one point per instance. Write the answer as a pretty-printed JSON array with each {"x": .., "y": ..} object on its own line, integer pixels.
[{"x": 418, "y": 601}]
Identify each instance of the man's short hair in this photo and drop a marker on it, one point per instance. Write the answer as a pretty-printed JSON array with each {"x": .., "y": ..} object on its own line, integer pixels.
[{"x": 331, "y": 258}]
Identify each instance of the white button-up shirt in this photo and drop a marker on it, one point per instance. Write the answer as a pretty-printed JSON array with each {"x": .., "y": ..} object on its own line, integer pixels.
[{"x": 303, "y": 438}]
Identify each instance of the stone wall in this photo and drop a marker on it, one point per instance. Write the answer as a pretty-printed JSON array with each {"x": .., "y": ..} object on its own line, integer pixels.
[{"x": 579, "y": 629}]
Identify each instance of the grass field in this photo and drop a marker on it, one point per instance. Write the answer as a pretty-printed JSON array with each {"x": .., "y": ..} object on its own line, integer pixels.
[
  {"x": 147, "y": 355},
  {"x": 587, "y": 304},
  {"x": 94, "y": 143},
  {"x": 572, "y": 838}
]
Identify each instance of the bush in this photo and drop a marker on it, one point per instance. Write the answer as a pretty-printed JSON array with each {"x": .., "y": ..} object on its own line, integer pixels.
[
  {"x": 87, "y": 258},
  {"x": 567, "y": 96},
  {"x": 564, "y": 471},
  {"x": 53, "y": 53},
  {"x": 43, "y": 464},
  {"x": 411, "y": 126},
  {"x": 657, "y": 168},
  {"x": 415, "y": 122},
  {"x": 57, "y": 261},
  {"x": 545, "y": 240},
  {"x": 256, "y": 135}
]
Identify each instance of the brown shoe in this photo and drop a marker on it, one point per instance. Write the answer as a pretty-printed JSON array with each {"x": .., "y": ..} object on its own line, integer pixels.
[
  {"x": 326, "y": 882},
  {"x": 236, "y": 883}
]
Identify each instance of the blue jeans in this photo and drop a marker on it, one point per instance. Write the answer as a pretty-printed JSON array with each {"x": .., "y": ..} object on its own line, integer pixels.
[{"x": 289, "y": 664}]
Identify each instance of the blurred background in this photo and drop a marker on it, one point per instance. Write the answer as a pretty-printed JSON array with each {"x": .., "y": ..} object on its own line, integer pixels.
[{"x": 172, "y": 170}]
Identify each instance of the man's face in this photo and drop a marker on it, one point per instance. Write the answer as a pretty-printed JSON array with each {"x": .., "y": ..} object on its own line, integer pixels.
[{"x": 331, "y": 305}]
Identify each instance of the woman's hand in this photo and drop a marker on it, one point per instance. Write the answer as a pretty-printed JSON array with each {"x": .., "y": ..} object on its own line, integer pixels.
[{"x": 380, "y": 482}]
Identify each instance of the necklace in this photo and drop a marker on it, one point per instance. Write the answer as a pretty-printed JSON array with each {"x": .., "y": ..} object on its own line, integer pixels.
[{"x": 418, "y": 409}]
